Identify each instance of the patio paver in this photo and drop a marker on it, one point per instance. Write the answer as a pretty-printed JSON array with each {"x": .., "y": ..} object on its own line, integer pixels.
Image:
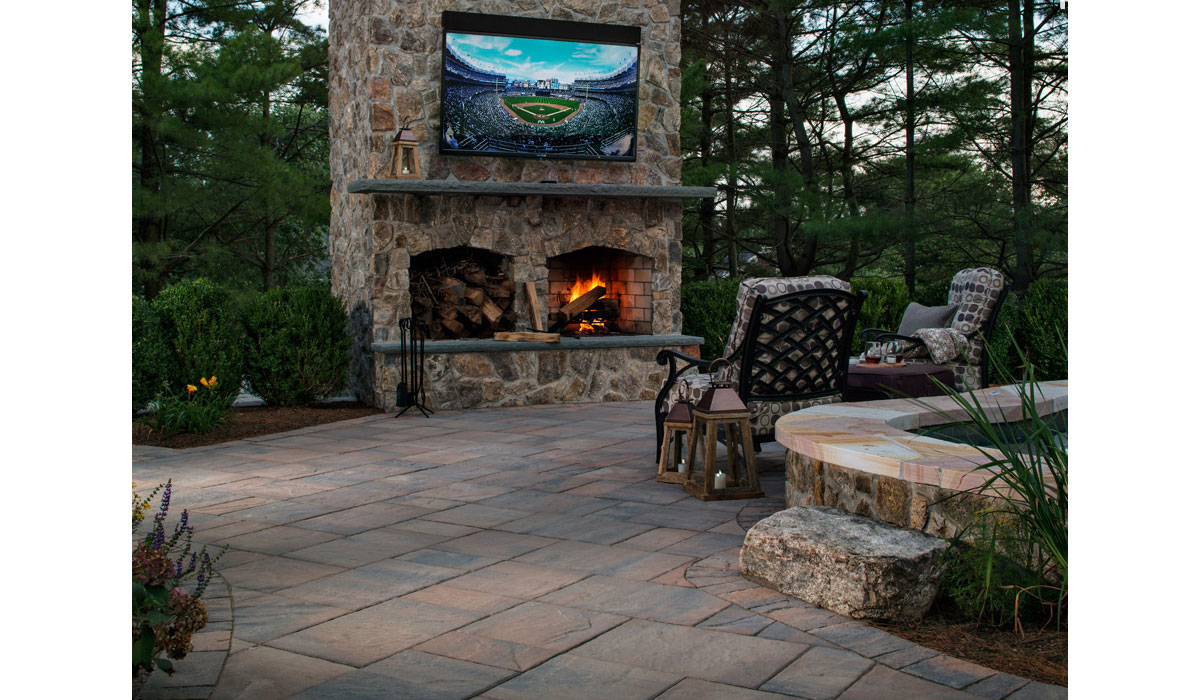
[{"x": 490, "y": 554}]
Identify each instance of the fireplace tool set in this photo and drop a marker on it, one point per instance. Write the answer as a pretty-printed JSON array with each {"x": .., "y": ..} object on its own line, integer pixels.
[{"x": 410, "y": 392}]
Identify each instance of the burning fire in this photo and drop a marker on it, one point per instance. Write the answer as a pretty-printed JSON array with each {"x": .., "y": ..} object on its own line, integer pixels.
[{"x": 582, "y": 287}]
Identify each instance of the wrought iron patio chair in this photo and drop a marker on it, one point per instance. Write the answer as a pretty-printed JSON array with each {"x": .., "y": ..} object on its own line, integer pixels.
[
  {"x": 978, "y": 293},
  {"x": 788, "y": 349}
]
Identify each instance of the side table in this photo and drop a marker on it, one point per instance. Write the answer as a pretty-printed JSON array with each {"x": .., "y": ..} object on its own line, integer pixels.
[{"x": 873, "y": 382}]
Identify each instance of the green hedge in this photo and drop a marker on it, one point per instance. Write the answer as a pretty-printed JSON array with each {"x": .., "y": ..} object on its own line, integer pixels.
[
  {"x": 151, "y": 359},
  {"x": 297, "y": 345},
  {"x": 883, "y": 307},
  {"x": 708, "y": 308},
  {"x": 1043, "y": 327},
  {"x": 202, "y": 337}
]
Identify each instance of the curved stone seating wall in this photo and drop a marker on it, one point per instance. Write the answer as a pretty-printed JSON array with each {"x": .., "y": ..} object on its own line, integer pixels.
[{"x": 858, "y": 457}]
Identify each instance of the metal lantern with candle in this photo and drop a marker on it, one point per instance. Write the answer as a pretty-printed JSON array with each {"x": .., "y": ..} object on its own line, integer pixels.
[
  {"x": 721, "y": 409},
  {"x": 404, "y": 165},
  {"x": 673, "y": 465}
]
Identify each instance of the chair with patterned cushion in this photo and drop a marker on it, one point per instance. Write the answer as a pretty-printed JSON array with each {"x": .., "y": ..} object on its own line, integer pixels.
[
  {"x": 977, "y": 295},
  {"x": 789, "y": 348}
]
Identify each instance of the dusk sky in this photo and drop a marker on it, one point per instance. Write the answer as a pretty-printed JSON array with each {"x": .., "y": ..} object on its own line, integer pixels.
[{"x": 534, "y": 59}]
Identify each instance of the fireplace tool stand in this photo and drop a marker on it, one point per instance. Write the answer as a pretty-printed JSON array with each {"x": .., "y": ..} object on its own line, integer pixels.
[{"x": 410, "y": 392}]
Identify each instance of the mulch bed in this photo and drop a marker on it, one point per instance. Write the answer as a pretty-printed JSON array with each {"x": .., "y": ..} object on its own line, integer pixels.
[
  {"x": 252, "y": 421},
  {"x": 1040, "y": 655}
]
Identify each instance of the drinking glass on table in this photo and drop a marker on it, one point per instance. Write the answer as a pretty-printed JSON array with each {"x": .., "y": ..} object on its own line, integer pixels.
[{"x": 874, "y": 352}]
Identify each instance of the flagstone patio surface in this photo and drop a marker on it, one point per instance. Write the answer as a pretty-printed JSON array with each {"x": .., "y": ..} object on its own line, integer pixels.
[{"x": 506, "y": 554}]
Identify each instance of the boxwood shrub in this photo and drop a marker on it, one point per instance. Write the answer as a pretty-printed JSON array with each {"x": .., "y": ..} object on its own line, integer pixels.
[
  {"x": 202, "y": 337},
  {"x": 708, "y": 308},
  {"x": 297, "y": 345},
  {"x": 151, "y": 355}
]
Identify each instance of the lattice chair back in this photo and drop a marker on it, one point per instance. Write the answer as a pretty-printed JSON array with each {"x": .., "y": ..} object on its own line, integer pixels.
[
  {"x": 770, "y": 287},
  {"x": 798, "y": 345}
]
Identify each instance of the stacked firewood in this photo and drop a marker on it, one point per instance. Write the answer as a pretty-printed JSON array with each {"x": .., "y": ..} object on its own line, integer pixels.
[{"x": 462, "y": 300}]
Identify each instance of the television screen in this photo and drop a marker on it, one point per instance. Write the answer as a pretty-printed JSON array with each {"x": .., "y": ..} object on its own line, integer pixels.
[{"x": 538, "y": 88}]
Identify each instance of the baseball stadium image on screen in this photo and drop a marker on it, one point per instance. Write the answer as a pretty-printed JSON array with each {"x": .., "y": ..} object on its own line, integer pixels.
[{"x": 537, "y": 96}]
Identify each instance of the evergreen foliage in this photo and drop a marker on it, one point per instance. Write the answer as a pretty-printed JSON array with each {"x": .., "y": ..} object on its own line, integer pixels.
[
  {"x": 883, "y": 307},
  {"x": 230, "y": 161},
  {"x": 709, "y": 307},
  {"x": 202, "y": 337},
  {"x": 1042, "y": 328},
  {"x": 151, "y": 358},
  {"x": 297, "y": 345}
]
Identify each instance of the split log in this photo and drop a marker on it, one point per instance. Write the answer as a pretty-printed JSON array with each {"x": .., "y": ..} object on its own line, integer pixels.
[
  {"x": 452, "y": 290},
  {"x": 456, "y": 328},
  {"x": 536, "y": 337},
  {"x": 471, "y": 313},
  {"x": 498, "y": 291},
  {"x": 491, "y": 312},
  {"x": 475, "y": 276},
  {"x": 535, "y": 309},
  {"x": 477, "y": 296}
]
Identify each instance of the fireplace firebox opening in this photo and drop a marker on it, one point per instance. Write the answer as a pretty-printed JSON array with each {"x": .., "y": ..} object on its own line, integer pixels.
[{"x": 625, "y": 305}]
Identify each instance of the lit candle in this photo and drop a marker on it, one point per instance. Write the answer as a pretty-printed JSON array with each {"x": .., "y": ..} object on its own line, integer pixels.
[
  {"x": 719, "y": 481},
  {"x": 682, "y": 466}
]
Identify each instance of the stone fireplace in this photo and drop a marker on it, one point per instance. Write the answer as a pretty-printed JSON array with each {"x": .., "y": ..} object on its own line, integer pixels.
[{"x": 591, "y": 218}]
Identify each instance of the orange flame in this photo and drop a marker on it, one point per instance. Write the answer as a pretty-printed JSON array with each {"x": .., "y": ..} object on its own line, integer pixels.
[{"x": 582, "y": 287}]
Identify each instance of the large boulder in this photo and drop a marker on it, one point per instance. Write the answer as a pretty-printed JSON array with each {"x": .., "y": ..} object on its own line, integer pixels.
[{"x": 852, "y": 565}]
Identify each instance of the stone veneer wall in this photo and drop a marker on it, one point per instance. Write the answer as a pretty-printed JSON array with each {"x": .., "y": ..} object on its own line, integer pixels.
[
  {"x": 477, "y": 379},
  {"x": 933, "y": 510},
  {"x": 385, "y": 66}
]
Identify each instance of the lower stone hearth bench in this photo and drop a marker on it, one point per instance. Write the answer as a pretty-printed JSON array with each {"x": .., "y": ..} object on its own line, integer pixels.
[
  {"x": 846, "y": 563},
  {"x": 478, "y": 373}
]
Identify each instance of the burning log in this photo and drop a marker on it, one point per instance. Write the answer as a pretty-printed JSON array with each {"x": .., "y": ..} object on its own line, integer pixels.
[
  {"x": 578, "y": 305},
  {"x": 572, "y": 308}
]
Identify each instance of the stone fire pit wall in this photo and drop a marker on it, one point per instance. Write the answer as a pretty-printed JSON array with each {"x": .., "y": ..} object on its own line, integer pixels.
[{"x": 385, "y": 66}]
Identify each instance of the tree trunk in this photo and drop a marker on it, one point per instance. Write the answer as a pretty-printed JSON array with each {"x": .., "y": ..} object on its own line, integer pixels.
[
  {"x": 707, "y": 205},
  {"x": 1020, "y": 55},
  {"x": 151, "y": 223},
  {"x": 269, "y": 257},
  {"x": 731, "y": 172},
  {"x": 910, "y": 157},
  {"x": 783, "y": 198},
  {"x": 848, "y": 192}
]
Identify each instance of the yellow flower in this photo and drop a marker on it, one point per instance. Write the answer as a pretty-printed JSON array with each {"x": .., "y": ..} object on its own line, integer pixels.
[
  {"x": 191, "y": 389},
  {"x": 212, "y": 382},
  {"x": 204, "y": 381}
]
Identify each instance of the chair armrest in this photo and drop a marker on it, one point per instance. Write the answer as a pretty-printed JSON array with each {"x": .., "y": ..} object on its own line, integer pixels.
[
  {"x": 669, "y": 357},
  {"x": 880, "y": 335}
]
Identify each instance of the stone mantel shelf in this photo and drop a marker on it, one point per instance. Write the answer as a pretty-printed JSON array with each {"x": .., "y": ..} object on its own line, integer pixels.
[
  {"x": 526, "y": 189},
  {"x": 566, "y": 343}
]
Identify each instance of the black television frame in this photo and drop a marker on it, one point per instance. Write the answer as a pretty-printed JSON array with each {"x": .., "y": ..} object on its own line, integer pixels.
[{"x": 532, "y": 28}]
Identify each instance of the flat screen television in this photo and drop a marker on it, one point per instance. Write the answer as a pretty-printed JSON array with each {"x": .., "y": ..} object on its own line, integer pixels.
[{"x": 537, "y": 88}]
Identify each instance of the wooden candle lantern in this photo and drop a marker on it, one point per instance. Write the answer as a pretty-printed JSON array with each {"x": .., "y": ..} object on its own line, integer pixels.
[
  {"x": 722, "y": 409},
  {"x": 404, "y": 165},
  {"x": 673, "y": 465}
]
